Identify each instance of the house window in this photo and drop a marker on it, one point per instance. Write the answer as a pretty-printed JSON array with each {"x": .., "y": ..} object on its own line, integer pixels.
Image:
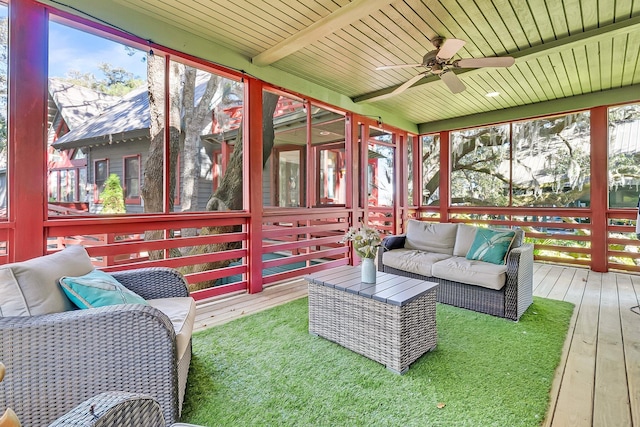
[
  {"x": 132, "y": 179},
  {"x": 67, "y": 185},
  {"x": 101, "y": 168},
  {"x": 330, "y": 175},
  {"x": 54, "y": 177}
]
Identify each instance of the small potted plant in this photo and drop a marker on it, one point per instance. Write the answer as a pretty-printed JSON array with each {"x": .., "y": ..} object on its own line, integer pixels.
[{"x": 365, "y": 241}]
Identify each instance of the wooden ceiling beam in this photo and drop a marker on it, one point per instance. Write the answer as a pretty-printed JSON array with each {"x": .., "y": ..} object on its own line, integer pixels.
[
  {"x": 337, "y": 19},
  {"x": 545, "y": 49}
]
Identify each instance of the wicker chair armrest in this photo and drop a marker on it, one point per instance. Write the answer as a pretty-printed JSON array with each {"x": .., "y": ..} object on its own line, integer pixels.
[
  {"x": 114, "y": 408},
  {"x": 153, "y": 282},
  {"x": 81, "y": 353},
  {"x": 519, "y": 285}
]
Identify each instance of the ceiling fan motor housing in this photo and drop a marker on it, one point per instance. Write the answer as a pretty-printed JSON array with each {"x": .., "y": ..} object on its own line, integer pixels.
[{"x": 430, "y": 59}]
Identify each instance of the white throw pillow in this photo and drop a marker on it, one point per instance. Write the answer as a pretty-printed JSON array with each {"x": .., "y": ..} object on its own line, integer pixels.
[
  {"x": 32, "y": 286},
  {"x": 431, "y": 237},
  {"x": 464, "y": 238}
]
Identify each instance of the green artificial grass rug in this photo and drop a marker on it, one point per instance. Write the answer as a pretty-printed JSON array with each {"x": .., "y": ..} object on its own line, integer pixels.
[{"x": 267, "y": 370}]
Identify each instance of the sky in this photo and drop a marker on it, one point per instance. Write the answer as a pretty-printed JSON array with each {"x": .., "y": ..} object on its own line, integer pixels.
[{"x": 71, "y": 49}]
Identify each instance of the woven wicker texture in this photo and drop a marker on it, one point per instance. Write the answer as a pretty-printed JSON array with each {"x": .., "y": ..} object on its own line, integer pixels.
[
  {"x": 510, "y": 302},
  {"x": 111, "y": 409},
  {"x": 389, "y": 334},
  {"x": 56, "y": 361},
  {"x": 155, "y": 282}
]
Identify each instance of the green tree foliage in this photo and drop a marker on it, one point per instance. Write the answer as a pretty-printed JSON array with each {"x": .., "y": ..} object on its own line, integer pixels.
[
  {"x": 476, "y": 176},
  {"x": 112, "y": 196},
  {"x": 116, "y": 80},
  {"x": 544, "y": 162},
  {"x": 624, "y": 165}
]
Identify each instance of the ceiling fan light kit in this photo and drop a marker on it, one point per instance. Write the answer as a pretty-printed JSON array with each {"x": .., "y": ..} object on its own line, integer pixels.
[{"x": 438, "y": 62}]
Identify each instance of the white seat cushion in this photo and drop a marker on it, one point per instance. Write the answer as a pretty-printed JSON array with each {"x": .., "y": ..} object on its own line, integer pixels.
[
  {"x": 460, "y": 269},
  {"x": 413, "y": 261},
  {"x": 182, "y": 313}
]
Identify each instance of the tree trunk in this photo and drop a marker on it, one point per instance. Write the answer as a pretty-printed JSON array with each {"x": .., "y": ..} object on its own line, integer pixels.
[
  {"x": 152, "y": 190},
  {"x": 229, "y": 195},
  {"x": 195, "y": 116}
]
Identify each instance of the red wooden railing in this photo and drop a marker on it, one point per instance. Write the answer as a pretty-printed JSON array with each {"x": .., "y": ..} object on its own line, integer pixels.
[
  {"x": 296, "y": 242},
  {"x": 303, "y": 240}
]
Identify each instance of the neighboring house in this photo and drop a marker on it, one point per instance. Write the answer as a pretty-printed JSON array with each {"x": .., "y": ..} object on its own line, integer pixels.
[
  {"x": 113, "y": 137},
  {"x": 69, "y": 107}
]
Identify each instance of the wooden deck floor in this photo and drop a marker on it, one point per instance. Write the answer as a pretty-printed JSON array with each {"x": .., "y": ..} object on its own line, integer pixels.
[{"x": 598, "y": 380}]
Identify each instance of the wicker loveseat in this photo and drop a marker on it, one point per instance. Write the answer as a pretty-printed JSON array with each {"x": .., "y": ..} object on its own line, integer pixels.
[
  {"x": 57, "y": 356},
  {"x": 438, "y": 253}
]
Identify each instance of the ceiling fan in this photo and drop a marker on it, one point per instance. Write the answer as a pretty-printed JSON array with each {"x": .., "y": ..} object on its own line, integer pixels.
[{"x": 439, "y": 63}]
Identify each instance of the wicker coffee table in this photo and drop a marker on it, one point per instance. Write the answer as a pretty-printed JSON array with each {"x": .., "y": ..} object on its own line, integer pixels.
[{"x": 392, "y": 322}]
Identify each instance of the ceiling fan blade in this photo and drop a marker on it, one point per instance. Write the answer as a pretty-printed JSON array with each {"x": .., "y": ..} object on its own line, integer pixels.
[
  {"x": 450, "y": 48},
  {"x": 452, "y": 81},
  {"x": 406, "y": 85},
  {"x": 391, "y": 67},
  {"x": 500, "y": 61}
]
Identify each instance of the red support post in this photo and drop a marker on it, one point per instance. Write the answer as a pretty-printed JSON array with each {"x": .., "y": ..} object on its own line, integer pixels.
[
  {"x": 599, "y": 188},
  {"x": 27, "y": 178},
  {"x": 350, "y": 159},
  {"x": 364, "y": 174},
  {"x": 402, "y": 175},
  {"x": 352, "y": 170},
  {"x": 312, "y": 178},
  {"x": 252, "y": 180},
  {"x": 418, "y": 183},
  {"x": 445, "y": 172}
]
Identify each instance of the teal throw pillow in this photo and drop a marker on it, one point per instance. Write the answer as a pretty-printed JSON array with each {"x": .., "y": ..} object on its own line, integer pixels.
[
  {"x": 491, "y": 245},
  {"x": 97, "y": 289}
]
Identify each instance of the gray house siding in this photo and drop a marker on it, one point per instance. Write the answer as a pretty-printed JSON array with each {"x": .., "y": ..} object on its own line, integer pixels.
[
  {"x": 266, "y": 185},
  {"x": 115, "y": 154}
]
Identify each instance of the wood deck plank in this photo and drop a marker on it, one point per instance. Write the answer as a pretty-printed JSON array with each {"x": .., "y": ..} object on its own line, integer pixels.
[
  {"x": 245, "y": 304},
  {"x": 540, "y": 274},
  {"x": 575, "y": 399},
  {"x": 630, "y": 322},
  {"x": 549, "y": 282},
  {"x": 561, "y": 287},
  {"x": 611, "y": 397},
  {"x": 573, "y": 294}
]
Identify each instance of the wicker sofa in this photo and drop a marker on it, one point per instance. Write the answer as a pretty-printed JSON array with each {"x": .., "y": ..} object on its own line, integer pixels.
[
  {"x": 57, "y": 356},
  {"x": 438, "y": 253}
]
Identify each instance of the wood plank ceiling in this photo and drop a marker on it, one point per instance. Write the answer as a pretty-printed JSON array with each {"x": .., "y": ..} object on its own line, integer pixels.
[{"x": 562, "y": 48}]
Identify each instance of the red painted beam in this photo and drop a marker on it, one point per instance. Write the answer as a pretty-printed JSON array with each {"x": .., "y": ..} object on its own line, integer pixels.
[
  {"x": 445, "y": 171},
  {"x": 28, "y": 41}
]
